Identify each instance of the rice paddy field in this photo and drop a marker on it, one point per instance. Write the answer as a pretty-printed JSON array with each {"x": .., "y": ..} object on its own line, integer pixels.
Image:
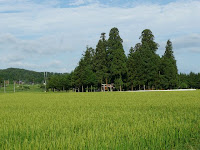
[{"x": 115, "y": 120}]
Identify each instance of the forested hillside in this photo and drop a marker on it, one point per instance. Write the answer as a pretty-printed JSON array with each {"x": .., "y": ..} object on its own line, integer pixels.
[{"x": 15, "y": 74}]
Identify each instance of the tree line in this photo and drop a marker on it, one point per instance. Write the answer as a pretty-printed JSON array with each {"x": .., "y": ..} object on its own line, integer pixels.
[
  {"x": 142, "y": 69},
  {"x": 26, "y": 76}
]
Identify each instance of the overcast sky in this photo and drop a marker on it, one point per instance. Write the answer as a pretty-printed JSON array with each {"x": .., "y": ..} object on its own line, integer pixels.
[{"x": 52, "y": 35}]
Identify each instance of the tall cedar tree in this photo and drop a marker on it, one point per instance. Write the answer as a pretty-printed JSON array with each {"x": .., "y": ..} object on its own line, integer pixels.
[
  {"x": 150, "y": 61},
  {"x": 169, "y": 71},
  {"x": 116, "y": 59},
  {"x": 78, "y": 74},
  {"x": 133, "y": 66},
  {"x": 100, "y": 60},
  {"x": 84, "y": 74}
]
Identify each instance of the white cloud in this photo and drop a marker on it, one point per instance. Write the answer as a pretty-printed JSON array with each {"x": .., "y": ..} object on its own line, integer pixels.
[
  {"x": 78, "y": 2},
  {"x": 190, "y": 42},
  {"x": 42, "y": 46},
  {"x": 12, "y": 58},
  {"x": 40, "y": 29},
  {"x": 82, "y": 2}
]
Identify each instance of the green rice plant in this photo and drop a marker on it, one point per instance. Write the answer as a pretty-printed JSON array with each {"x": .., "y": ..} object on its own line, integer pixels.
[{"x": 106, "y": 120}]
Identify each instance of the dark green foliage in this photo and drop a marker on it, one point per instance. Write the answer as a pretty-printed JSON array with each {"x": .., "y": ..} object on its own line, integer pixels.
[
  {"x": 149, "y": 65},
  {"x": 59, "y": 82},
  {"x": 100, "y": 60},
  {"x": 84, "y": 74},
  {"x": 116, "y": 59},
  {"x": 191, "y": 80},
  {"x": 147, "y": 37},
  {"x": 134, "y": 65},
  {"x": 143, "y": 63},
  {"x": 131, "y": 68},
  {"x": 168, "y": 68},
  {"x": 194, "y": 80},
  {"x": 1, "y": 81},
  {"x": 150, "y": 60}
]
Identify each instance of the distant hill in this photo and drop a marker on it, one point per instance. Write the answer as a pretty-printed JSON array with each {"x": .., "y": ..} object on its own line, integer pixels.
[{"x": 27, "y": 76}]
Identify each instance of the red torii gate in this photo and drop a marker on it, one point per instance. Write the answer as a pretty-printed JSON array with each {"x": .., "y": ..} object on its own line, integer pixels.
[{"x": 107, "y": 87}]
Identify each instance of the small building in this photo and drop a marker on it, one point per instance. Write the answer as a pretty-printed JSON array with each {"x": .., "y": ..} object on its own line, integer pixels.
[{"x": 19, "y": 82}]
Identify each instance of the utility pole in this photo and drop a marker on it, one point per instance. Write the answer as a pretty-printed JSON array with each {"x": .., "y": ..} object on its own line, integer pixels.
[
  {"x": 45, "y": 81},
  {"x": 14, "y": 86},
  {"x": 4, "y": 86},
  {"x": 159, "y": 79}
]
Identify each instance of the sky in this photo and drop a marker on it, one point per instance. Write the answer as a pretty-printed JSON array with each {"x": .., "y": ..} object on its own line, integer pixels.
[{"x": 52, "y": 35}]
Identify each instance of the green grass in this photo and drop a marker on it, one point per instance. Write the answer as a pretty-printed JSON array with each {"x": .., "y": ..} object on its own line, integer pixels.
[
  {"x": 21, "y": 88},
  {"x": 152, "y": 120}
]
